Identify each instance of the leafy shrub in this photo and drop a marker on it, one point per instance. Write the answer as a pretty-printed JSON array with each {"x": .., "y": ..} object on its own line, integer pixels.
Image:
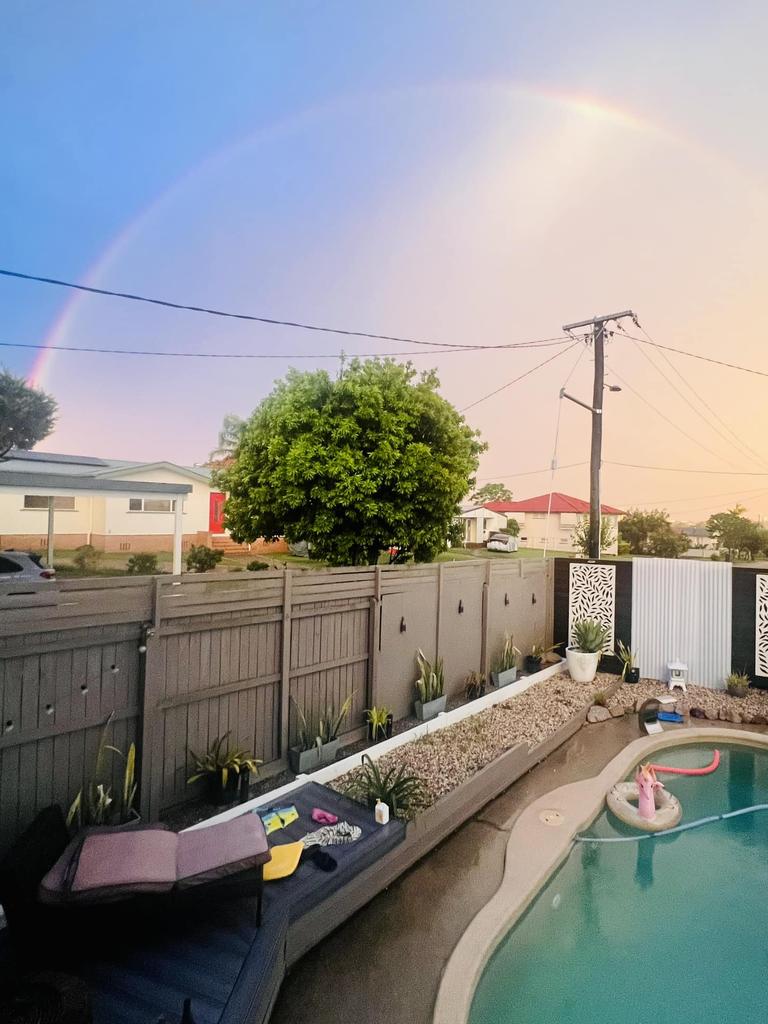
[
  {"x": 202, "y": 559},
  {"x": 87, "y": 558},
  {"x": 589, "y": 635},
  {"x": 625, "y": 548},
  {"x": 142, "y": 565},
  {"x": 474, "y": 685},
  {"x": 256, "y": 565},
  {"x": 737, "y": 683},
  {"x": 392, "y": 786},
  {"x": 221, "y": 760},
  {"x": 600, "y": 699}
]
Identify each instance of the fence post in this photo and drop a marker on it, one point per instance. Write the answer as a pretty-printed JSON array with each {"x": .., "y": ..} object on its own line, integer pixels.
[
  {"x": 285, "y": 665},
  {"x": 486, "y": 619},
  {"x": 373, "y": 640},
  {"x": 438, "y": 617},
  {"x": 151, "y": 733}
]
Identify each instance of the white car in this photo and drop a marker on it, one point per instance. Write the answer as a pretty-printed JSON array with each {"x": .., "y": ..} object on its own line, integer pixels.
[
  {"x": 501, "y": 542},
  {"x": 23, "y": 565}
]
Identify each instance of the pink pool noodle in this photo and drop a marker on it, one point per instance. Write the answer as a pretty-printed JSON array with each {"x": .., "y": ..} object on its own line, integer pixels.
[{"x": 690, "y": 771}]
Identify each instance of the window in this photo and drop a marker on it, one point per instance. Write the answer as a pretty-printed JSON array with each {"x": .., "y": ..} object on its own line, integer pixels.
[
  {"x": 63, "y": 503},
  {"x": 538, "y": 515},
  {"x": 151, "y": 505},
  {"x": 8, "y": 565}
]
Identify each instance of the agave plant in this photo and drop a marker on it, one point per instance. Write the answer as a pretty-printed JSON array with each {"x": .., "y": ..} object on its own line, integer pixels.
[
  {"x": 431, "y": 681},
  {"x": 589, "y": 636},
  {"x": 218, "y": 760},
  {"x": 392, "y": 786}
]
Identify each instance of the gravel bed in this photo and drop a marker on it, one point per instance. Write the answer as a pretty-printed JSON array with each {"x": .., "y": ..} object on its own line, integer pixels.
[
  {"x": 716, "y": 704},
  {"x": 446, "y": 759}
]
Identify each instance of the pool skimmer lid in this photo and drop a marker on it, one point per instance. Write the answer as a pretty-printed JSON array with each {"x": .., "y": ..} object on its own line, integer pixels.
[{"x": 550, "y": 817}]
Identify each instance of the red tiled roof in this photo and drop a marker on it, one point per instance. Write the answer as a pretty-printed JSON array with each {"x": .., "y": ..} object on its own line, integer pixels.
[{"x": 560, "y": 503}]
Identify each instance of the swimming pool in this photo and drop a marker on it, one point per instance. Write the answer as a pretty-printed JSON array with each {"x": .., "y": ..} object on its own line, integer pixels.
[{"x": 650, "y": 932}]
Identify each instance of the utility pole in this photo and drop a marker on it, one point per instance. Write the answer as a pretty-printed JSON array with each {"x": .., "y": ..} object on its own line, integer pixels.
[{"x": 597, "y": 323}]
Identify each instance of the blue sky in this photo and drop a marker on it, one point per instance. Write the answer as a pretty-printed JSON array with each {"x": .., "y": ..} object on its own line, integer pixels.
[{"x": 436, "y": 169}]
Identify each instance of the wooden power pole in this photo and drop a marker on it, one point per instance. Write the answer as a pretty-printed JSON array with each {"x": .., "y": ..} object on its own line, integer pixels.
[{"x": 597, "y": 324}]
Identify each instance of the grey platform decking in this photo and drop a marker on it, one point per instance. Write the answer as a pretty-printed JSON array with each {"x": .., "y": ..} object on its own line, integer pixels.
[{"x": 212, "y": 951}]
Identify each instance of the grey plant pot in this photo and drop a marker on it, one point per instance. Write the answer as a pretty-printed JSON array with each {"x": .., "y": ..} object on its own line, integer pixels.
[
  {"x": 504, "y": 678},
  {"x": 738, "y": 691},
  {"x": 302, "y": 761},
  {"x": 431, "y": 709},
  {"x": 328, "y": 751}
]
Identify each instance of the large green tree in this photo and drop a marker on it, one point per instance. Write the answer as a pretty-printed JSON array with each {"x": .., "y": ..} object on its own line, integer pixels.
[
  {"x": 492, "y": 492},
  {"x": 581, "y": 536},
  {"x": 651, "y": 533},
  {"x": 352, "y": 465},
  {"x": 27, "y": 415},
  {"x": 734, "y": 531}
]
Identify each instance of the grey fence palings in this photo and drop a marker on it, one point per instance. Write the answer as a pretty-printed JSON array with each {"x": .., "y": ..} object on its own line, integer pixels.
[{"x": 226, "y": 653}]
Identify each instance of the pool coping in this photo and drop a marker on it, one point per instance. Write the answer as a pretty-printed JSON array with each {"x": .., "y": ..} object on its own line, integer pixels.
[{"x": 536, "y": 849}]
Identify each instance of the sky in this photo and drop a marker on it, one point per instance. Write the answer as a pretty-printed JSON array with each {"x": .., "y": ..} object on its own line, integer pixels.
[{"x": 456, "y": 173}]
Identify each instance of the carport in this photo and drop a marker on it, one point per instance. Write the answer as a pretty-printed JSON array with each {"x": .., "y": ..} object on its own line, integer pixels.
[{"x": 55, "y": 485}]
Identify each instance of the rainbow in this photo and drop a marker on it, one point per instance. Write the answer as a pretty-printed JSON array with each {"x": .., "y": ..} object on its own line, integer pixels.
[{"x": 581, "y": 105}]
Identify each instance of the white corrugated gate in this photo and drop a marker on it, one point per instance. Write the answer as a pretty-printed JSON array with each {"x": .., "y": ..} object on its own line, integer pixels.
[{"x": 681, "y": 610}]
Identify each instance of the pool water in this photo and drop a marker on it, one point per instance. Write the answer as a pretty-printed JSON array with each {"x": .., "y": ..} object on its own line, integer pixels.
[{"x": 660, "y": 931}]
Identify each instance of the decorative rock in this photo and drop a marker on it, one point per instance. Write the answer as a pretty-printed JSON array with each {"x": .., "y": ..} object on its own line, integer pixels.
[
  {"x": 722, "y": 715},
  {"x": 710, "y": 715},
  {"x": 746, "y": 719},
  {"x": 639, "y": 703},
  {"x": 618, "y": 711},
  {"x": 759, "y": 720},
  {"x": 698, "y": 713},
  {"x": 733, "y": 717},
  {"x": 598, "y": 714}
]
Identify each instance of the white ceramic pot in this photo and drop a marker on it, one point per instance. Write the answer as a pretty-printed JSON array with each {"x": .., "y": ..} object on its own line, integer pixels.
[{"x": 581, "y": 665}]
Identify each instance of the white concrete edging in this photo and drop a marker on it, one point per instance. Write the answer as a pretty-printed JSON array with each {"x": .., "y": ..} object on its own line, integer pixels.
[{"x": 338, "y": 768}]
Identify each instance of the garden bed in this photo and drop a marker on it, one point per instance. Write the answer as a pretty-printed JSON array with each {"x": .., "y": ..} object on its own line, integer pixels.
[
  {"x": 715, "y": 704},
  {"x": 445, "y": 759}
]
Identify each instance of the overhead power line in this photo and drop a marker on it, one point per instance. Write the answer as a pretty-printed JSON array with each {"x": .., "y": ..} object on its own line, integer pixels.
[
  {"x": 522, "y": 376},
  {"x": 528, "y": 472},
  {"x": 299, "y": 325},
  {"x": 236, "y": 355},
  {"x": 683, "y": 469},
  {"x": 699, "y": 356}
]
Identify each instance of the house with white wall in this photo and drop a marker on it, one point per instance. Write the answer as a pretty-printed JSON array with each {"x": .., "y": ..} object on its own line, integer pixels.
[
  {"x": 101, "y": 507},
  {"x": 546, "y": 520}
]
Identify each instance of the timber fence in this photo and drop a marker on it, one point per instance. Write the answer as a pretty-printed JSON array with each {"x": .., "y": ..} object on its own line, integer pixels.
[{"x": 179, "y": 661}]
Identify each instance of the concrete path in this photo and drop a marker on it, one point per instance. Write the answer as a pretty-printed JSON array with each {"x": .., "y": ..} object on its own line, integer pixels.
[{"x": 384, "y": 964}]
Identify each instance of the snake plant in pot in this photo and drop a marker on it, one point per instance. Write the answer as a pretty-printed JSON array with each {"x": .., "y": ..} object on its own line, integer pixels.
[
  {"x": 317, "y": 738},
  {"x": 431, "y": 688},
  {"x": 630, "y": 671},
  {"x": 505, "y": 666},
  {"x": 583, "y": 656}
]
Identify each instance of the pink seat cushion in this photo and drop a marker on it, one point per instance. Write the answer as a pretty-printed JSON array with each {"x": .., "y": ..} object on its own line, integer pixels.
[{"x": 222, "y": 850}]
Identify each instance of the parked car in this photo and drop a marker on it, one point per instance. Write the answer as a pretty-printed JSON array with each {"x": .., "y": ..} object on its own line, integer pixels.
[
  {"x": 23, "y": 565},
  {"x": 501, "y": 542}
]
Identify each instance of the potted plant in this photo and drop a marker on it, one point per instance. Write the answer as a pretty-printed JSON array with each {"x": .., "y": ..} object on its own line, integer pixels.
[
  {"x": 630, "y": 673},
  {"x": 431, "y": 688},
  {"x": 474, "y": 685},
  {"x": 538, "y": 653},
  {"x": 222, "y": 767},
  {"x": 505, "y": 665},
  {"x": 318, "y": 741},
  {"x": 583, "y": 656},
  {"x": 94, "y": 803},
  {"x": 738, "y": 683},
  {"x": 378, "y": 723}
]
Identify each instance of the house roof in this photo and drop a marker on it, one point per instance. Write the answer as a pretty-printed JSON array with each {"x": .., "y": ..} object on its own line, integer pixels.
[
  {"x": 64, "y": 483},
  {"x": 18, "y": 461},
  {"x": 541, "y": 503}
]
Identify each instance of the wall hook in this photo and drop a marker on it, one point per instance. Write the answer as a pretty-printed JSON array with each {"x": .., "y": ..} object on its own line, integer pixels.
[
  {"x": 403, "y": 626},
  {"x": 461, "y": 606},
  {"x": 533, "y": 599},
  {"x": 506, "y": 599}
]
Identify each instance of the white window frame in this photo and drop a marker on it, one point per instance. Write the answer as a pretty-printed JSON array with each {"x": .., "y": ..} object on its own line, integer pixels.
[
  {"x": 44, "y": 507},
  {"x": 152, "y": 511}
]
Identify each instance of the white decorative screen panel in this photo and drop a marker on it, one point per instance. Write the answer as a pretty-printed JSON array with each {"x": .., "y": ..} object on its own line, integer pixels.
[
  {"x": 761, "y": 625},
  {"x": 592, "y": 595}
]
